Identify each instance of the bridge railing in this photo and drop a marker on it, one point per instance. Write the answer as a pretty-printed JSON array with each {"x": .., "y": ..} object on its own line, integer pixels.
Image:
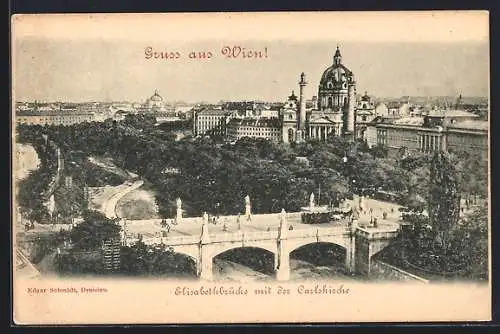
[
  {"x": 181, "y": 240},
  {"x": 320, "y": 231},
  {"x": 267, "y": 235},
  {"x": 243, "y": 235},
  {"x": 170, "y": 241},
  {"x": 334, "y": 230}
]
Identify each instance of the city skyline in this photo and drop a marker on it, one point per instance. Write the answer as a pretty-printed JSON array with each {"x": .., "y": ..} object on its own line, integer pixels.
[{"x": 111, "y": 70}]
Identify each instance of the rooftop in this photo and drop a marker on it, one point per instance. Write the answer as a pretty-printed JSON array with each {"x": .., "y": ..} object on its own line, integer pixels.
[
  {"x": 470, "y": 125},
  {"x": 451, "y": 113},
  {"x": 415, "y": 121},
  {"x": 215, "y": 112},
  {"x": 256, "y": 121},
  {"x": 57, "y": 112}
]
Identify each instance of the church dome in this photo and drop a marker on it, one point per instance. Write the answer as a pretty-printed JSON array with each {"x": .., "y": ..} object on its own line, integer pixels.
[
  {"x": 337, "y": 74},
  {"x": 156, "y": 97}
]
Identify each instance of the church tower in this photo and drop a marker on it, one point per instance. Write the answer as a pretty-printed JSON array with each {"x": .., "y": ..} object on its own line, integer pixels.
[
  {"x": 289, "y": 119},
  {"x": 337, "y": 95}
]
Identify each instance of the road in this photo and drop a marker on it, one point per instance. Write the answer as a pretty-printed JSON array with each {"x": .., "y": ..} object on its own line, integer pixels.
[
  {"x": 109, "y": 207},
  {"x": 300, "y": 270}
]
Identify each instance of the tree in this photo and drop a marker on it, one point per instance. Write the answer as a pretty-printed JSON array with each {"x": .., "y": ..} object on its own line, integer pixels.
[
  {"x": 470, "y": 239},
  {"x": 157, "y": 260},
  {"x": 444, "y": 197},
  {"x": 472, "y": 172},
  {"x": 141, "y": 121},
  {"x": 95, "y": 228}
]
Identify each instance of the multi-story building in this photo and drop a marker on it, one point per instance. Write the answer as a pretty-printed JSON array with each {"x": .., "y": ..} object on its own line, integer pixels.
[
  {"x": 257, "y": 127},
  {"x": 53, "y": 117},
  {"x": 212, "y": 121},
  {"x": 451, "y": 130}
]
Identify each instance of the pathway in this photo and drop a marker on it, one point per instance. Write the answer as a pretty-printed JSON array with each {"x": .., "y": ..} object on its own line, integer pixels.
[{"x": 109, "y": 207}]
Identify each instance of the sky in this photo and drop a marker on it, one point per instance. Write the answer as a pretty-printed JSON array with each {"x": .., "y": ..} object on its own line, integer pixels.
[{"x": 53, "y": 66}]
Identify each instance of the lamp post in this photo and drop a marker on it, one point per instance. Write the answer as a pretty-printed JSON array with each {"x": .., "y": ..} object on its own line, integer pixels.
[
  {"x": 217, "y": 210},
  {"x": 351, "y": 182}
]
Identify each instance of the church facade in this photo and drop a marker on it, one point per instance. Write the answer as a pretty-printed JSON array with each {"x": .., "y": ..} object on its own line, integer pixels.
[{"x": 334, "y": 110}]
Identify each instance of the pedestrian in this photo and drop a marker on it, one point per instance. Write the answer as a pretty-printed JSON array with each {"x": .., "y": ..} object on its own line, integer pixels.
[{"x": 384, "y": 215}]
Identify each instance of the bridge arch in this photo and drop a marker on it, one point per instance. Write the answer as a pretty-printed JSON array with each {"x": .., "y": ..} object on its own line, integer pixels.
[
  {"x": 222, "y": 248},
  {"x": 309, "y": 256},
  {"x": 257, "y": 260},
  {"x": 306, "y": 242}
]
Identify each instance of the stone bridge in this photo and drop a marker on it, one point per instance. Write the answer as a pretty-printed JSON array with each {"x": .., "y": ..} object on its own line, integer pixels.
[{"x": 360, "y": 243}]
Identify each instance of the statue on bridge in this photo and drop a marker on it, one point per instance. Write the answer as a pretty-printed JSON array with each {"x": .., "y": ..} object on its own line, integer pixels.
[
  {"x": 283, "y": 224},
  {"x": 248, "y": 208},
  {"x": 178, "y": 216},
  {"x": 311, "y": 201},
  {"x": 204, "y": 227}
]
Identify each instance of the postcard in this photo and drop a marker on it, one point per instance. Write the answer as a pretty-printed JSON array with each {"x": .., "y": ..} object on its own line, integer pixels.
[{"x": 251, "y": 168}]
